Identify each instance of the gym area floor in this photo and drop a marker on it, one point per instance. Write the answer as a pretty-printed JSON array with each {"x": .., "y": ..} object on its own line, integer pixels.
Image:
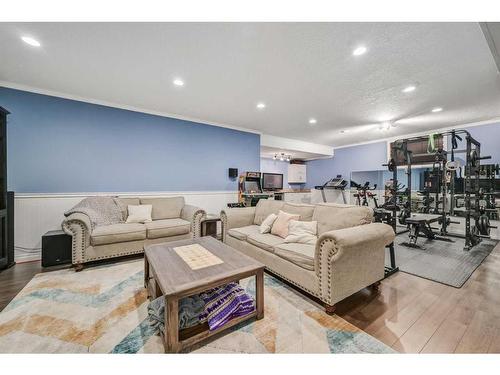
[{"x": 410, "y": 314}]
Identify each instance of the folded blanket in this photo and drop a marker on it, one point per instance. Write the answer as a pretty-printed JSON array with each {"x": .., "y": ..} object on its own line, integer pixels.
[
  {"x": 190, "y": 309},
  {"x": 225, "y": 303},
  {"x": 100, "y": 210}
]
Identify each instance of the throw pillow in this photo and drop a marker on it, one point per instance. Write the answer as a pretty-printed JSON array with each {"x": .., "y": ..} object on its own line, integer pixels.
[
  {"x": 280, "y": 226},
  {"x": 302, "y": 232},
  {"x": 139, "y": 214},
  {"x": 266, "y": 225}
]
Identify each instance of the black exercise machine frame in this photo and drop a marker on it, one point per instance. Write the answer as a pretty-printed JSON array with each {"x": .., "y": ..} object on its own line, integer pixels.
[{"x": 472, "y": 167}]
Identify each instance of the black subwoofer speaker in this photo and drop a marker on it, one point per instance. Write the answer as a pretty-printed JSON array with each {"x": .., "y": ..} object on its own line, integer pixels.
[
  {"x": 233, "y": 172},
  {"x": 56, "y": 248}
]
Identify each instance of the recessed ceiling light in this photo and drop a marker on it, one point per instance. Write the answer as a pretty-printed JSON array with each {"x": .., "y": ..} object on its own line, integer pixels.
[
  {"x": 178, "y": 82},
  {"x": 359, "y": 51},
  {"x": 385, "y": 126},
  {"x": 409, "y": 89},
  {"x": 313, "y": 121},
  {"x": 437, "y": 109},
  {"x": 31, "y": 41},
  {"x": 261, "y": 105}
]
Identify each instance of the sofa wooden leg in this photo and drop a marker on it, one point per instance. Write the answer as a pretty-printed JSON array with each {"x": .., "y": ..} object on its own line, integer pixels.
[
  {"x": 375, "y": 286},
  {"x": 78, "y": 267},
  {"x": 329, "y": 309}
]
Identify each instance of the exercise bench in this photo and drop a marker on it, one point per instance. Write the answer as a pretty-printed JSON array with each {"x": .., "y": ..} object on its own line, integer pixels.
[{"x": 421, "y": 224}]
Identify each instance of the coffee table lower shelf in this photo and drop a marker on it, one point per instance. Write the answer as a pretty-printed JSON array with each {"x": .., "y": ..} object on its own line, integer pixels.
[{"x": 193, "y": 335}]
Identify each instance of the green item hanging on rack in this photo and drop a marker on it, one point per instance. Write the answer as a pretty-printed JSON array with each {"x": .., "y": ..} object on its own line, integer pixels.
[{"x": 431, "y": 144}]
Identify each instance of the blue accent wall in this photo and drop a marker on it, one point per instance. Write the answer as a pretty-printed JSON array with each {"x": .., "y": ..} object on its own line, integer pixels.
[
  {"x": 368, "y": 157},
  {"x": 58, "y": 145}
]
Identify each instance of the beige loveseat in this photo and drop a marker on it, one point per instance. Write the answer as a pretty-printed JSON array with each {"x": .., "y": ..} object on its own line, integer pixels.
[
  {"x": 348, "y": 256},
  {"x": 172, "y": 220}
]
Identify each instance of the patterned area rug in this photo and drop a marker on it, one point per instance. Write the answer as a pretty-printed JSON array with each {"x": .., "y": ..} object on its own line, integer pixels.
[{"x": 103, "y": 310}]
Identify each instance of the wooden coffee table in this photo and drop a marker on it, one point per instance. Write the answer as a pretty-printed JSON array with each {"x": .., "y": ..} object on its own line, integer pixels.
[{"x": 167, "y": 274}]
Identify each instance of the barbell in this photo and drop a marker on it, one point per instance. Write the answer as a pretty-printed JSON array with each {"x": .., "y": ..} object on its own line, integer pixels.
[
  {"x": 474, "y": 158},
  {"x": 391, "y": 165}
]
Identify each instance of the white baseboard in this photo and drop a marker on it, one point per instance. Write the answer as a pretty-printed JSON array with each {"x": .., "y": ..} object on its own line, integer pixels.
[{"x": 35, "y": 214}]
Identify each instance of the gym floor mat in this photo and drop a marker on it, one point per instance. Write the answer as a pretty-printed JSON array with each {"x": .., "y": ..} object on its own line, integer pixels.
[{"x": 444, "y": 262}]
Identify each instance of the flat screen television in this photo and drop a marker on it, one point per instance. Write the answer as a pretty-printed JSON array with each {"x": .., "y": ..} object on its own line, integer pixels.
[{"x": 272, "y": 181}]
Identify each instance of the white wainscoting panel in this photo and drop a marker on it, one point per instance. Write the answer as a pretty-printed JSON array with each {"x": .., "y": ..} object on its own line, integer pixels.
[{"x": 35, "y": 214}]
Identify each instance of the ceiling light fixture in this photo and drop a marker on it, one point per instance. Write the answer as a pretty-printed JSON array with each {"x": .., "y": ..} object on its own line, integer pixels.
[
  {"x": 437, "y": 109},
  {"x": 261, "y": 105},
  {"x": 409, "y": 89},
  {"x": 282, "y": 157},
  {"x": 385, "y": 126},
  {"x": 313, "y": 121},
  {"x": 359, "y": 51},
  {"x": 31, "y": 41},
  {"x": 178, "y": 82}
]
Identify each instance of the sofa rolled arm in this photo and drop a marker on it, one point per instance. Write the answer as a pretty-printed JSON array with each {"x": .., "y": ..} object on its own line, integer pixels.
[
  {"x": 194, "y": 215},
  {"x": 79, "y": 227},
  {"x": 348, "y": 260},
  {"x": 235, "y": 218}
]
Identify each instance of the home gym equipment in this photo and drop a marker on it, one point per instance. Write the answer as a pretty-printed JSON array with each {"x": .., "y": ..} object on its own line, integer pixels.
[
  {"x": 421, "y": 224},
  {"x": 337, "y": 183},
  {"x": 382, "y": 215},
  {"x": 363, "y": 193},
  {"x": 250, "y": 189},
  {"x": 408, "y": 152}
]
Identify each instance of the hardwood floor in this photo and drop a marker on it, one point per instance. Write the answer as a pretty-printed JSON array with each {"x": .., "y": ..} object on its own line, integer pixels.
[
  {"x": 415, "y": 315},
  {"x": 410, "y": 314}
]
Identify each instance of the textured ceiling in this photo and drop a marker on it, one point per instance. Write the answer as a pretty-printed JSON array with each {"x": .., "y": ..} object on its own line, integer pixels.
[{"x": 300, "y": 70}]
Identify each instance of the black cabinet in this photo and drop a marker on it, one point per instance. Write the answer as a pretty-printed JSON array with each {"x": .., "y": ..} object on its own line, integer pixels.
[{"x": 6, "y": 200}]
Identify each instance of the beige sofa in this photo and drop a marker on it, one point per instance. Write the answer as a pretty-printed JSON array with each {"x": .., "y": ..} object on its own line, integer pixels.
[
  {"x": 348, "y": 256},
  {"x": 172, "y": 220}
]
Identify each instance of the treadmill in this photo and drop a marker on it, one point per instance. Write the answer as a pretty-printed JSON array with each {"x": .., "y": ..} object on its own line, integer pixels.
[{"x": 337, "y": 183}]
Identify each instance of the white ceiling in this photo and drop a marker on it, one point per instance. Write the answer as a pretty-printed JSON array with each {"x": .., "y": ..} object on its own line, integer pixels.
[{"x": 300, "y": 70}]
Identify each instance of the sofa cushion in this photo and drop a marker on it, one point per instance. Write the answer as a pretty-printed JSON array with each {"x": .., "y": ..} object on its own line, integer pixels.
[
  {"x": 106, "y": 234},
  {"x": 300, "y": 254},
  {"x": 165, "y": 208},
  {"x": 340, "y": 216},
  {"x": 266, "y": 207},
  {"x": 304, "y": 210},
  {"x": 264, "y": 241},
  {"x": 167, "y": 228},
  {"x": 242, "y": 232},
  {"x": 123, "y": 203}
]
